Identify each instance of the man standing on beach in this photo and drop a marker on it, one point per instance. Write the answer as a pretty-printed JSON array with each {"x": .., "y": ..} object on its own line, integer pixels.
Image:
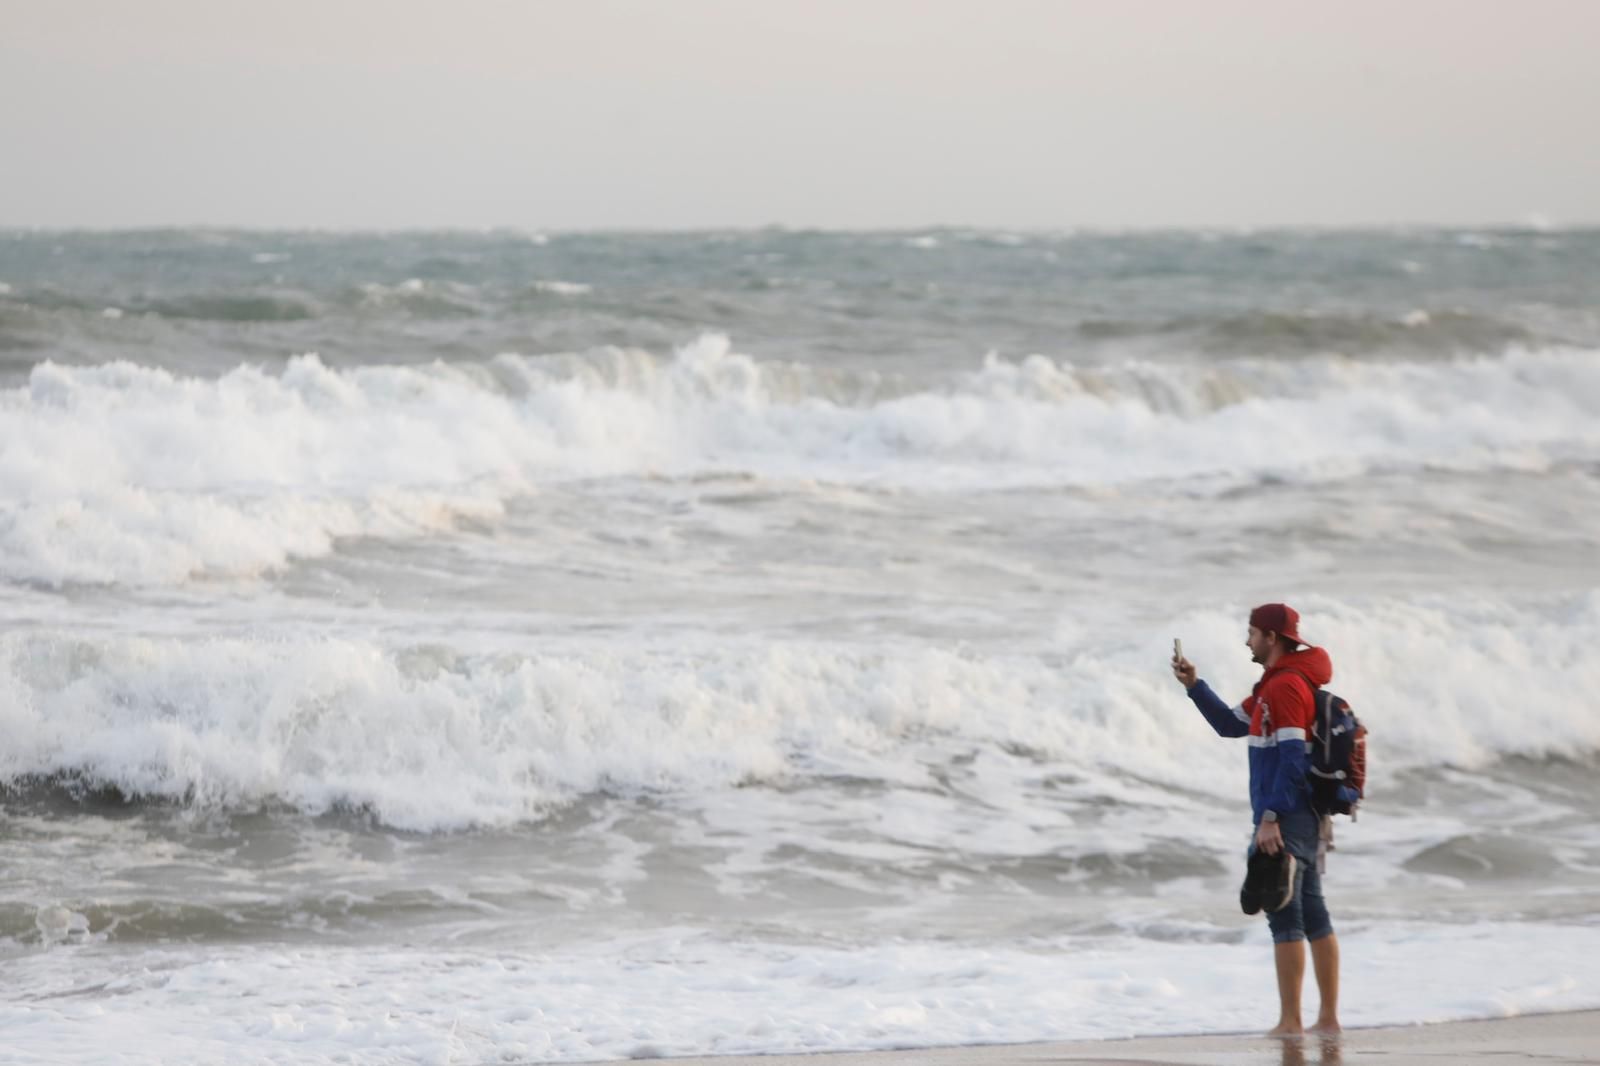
[{"x": 1277, "y": 718}]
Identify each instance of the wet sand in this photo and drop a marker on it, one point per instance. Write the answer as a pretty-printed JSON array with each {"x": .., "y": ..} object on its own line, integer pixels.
[{"x": 1546, "y": 1038}]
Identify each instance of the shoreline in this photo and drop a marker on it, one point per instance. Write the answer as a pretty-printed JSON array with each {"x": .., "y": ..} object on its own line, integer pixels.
[{"x": 1559, "y": 1037}]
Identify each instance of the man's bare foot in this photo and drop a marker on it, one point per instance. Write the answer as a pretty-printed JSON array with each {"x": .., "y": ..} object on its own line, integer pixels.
[
  {"x": 1286, "y": 1029},
  {"x": 1330, "y": 1027}
]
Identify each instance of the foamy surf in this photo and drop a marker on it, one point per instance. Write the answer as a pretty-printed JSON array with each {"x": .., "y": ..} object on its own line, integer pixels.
[
  {"x": 434, "y": 738},
  {"x": 128, "y": 475},
  {"x": 678, "y": 993}
]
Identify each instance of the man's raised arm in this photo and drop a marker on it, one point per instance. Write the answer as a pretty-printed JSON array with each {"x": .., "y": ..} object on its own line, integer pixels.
[{"x": 1227, "y": 721}]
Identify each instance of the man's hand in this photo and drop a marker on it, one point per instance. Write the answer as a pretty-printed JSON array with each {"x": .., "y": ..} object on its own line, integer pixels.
[
  {"x": 1184, "y": 671},
  {"x": 1269, "y": 838}
]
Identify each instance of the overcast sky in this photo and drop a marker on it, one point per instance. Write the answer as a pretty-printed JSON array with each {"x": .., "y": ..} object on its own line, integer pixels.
[{"x": 866, "y": 113}]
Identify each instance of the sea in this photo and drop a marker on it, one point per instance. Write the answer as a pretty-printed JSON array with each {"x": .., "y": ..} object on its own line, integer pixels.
[{"x": 528, "y": 647}]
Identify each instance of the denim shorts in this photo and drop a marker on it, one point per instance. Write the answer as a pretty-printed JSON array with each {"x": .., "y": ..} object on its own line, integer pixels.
[{"x": 1306, "y": 916}]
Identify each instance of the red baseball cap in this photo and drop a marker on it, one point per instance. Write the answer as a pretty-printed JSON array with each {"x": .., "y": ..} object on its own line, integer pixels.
[{"x": 1277, "y": 618}]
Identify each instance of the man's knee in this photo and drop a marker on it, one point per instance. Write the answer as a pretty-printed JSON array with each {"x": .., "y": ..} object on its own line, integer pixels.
[
  {"x": 1318, "y": 925},
  {"x": 1288, "y": 925}
]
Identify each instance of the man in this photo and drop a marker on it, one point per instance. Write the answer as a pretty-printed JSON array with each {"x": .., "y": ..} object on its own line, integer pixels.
[{"x": 1277, "y": 718}]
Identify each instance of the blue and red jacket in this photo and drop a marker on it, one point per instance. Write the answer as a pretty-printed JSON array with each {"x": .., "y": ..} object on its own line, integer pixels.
[{"x": 1277, "y": 717}]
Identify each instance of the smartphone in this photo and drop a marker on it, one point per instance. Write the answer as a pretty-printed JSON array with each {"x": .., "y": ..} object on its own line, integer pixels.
[{"x": 1177, "y": 648}]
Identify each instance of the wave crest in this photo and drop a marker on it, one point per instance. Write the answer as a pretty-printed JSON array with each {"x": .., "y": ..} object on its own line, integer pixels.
[
  {"x": 427, "y": 737},
  {"x": 120, "y": 473}
]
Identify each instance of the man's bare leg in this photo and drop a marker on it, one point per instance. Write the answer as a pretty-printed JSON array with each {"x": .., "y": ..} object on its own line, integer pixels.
[
  {"x": 1325, "y": 963},
  {"x": 1290, "y": 960}
]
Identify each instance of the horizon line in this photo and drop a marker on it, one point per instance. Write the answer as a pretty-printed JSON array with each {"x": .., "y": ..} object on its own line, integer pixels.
[{"x": 1524, "y": 226}]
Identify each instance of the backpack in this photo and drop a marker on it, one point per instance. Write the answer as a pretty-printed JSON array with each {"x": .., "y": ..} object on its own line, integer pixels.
[{"x": 1338, "y": 750}]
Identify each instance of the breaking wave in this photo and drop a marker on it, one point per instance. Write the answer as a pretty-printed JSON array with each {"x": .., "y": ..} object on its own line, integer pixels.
[
  {"x": 124, "y": 474},
  {"x": 429, "y": 738}
]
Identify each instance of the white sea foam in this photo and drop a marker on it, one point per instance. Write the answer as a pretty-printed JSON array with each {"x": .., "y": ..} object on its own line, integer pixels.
[
  {"x": 434, "y": 740},
  {"x": 677, "y": 992},
  {"x": 563, "y": 288},
  {"x": 122, "y": 474}
]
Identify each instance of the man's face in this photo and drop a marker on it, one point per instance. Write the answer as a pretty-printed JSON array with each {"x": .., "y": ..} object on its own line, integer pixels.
[{"x": 1260, "y": 644}]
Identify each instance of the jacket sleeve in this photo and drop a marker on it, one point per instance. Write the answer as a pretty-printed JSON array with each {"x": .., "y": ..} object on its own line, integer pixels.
[
  {"x": 1292, "y": 707},
  {"x": 1227, "y": 721}
]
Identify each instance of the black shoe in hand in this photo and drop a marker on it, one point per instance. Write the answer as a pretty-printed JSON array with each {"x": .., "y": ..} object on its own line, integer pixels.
[{"x": 1268, "y": 882}]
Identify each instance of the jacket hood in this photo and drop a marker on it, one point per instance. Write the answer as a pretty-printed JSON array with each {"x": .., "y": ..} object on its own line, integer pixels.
[{"x": 1312, "y": 662}]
